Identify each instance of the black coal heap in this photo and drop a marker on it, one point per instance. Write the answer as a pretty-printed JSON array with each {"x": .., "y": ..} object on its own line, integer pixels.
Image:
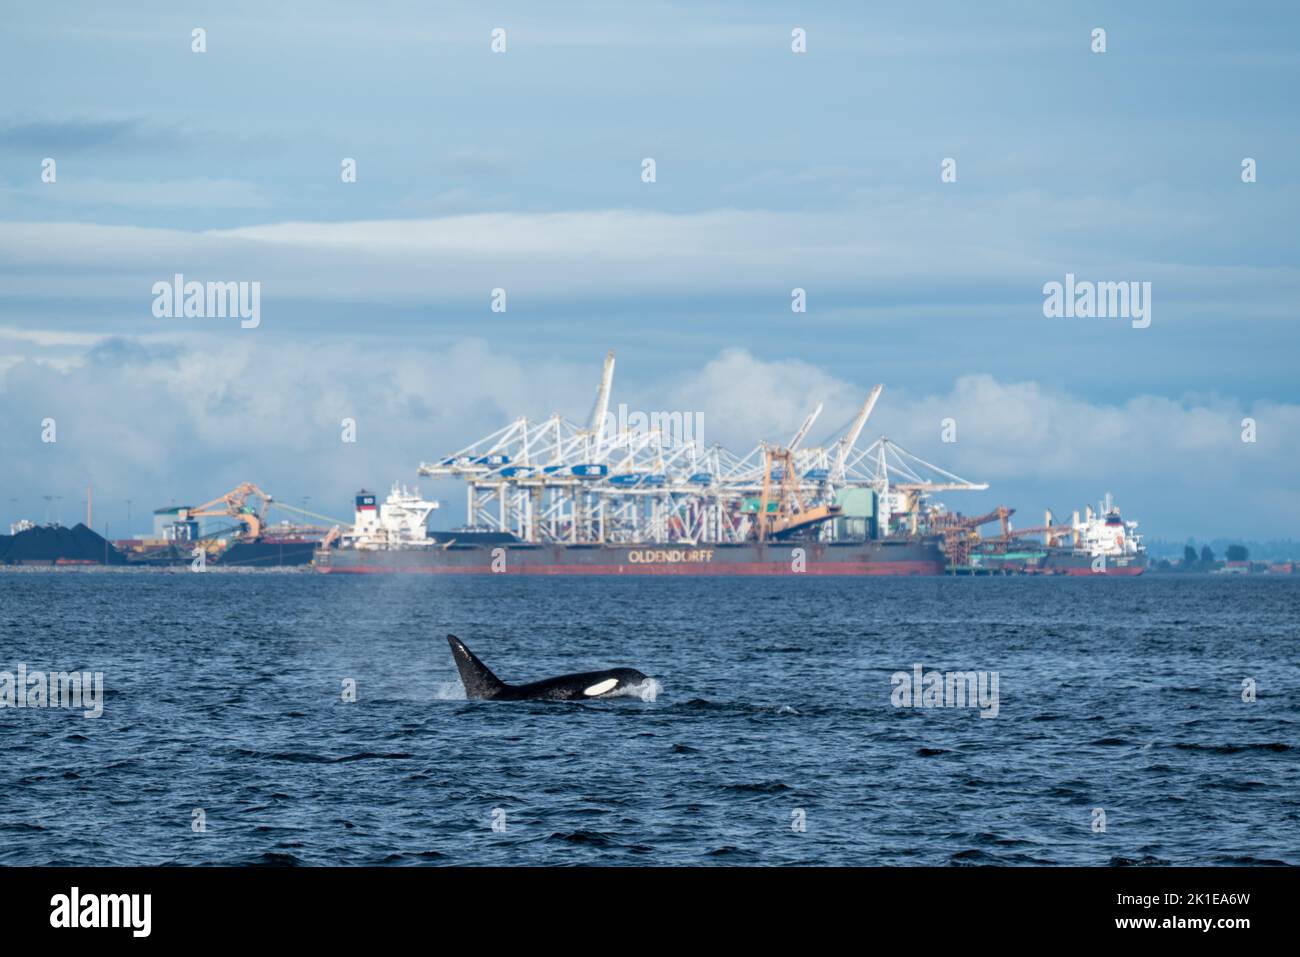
[{"x": 49, "y": 543}]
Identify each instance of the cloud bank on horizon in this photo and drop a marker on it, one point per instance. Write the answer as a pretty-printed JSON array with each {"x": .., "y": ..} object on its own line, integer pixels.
[{"x": 522, "y": 171}]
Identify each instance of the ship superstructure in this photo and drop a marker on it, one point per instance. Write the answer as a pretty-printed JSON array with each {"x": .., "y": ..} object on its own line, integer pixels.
[
  {"x": 400, "y": 521},
  {"x": 1106, "y": 533},
  {"x": 1101, "y": 543}
]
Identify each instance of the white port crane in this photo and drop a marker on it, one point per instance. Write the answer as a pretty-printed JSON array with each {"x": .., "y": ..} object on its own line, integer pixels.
[{"x": 554, "y": 480}]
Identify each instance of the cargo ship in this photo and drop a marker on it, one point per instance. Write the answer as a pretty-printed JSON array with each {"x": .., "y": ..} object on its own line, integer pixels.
[
  {"x": 270, "y": 551},
  {"x": 1102, "y": 543},
  {"x": 640, "y": 493},
  {"x": 392, "y": 538}
]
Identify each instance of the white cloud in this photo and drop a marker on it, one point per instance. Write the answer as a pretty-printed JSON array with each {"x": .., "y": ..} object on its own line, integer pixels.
[
  {"x": 48, "y": 337},
  {"x": 922, "y": 248}
]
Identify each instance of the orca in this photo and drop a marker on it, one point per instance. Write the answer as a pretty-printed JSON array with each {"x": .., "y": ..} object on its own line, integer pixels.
[{"x": 481, "y": 683}]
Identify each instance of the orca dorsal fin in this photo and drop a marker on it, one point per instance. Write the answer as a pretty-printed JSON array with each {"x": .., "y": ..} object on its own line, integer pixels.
[{"x": 478, "y": 679}]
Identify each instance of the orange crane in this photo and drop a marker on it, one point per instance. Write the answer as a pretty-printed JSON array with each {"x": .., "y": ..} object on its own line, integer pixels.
[
  {"x": 1048, "y": 530},
  {"x": 790, "y": 512},
  {"x": 960, "y": 532},
  {"x": 912, "y": 491},
  {"x": 955, "y": 521},
  {"x": 234, "y": 504}
]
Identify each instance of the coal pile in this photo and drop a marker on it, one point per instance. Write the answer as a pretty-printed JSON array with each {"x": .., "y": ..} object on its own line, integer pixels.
[{"x": 47, "y": 544}]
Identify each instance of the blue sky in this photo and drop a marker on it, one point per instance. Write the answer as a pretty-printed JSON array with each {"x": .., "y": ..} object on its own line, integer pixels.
[{"x": 774, "y": 170}]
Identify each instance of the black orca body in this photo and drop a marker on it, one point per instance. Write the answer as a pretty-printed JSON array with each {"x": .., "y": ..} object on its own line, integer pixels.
[{"x": 481, "y": 683}]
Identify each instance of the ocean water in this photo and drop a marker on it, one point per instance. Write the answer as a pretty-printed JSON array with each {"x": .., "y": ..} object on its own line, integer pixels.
[{"x": 773, "y": 739}]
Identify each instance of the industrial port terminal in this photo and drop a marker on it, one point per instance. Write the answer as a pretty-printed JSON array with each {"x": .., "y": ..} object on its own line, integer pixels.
[{"x": 604, "y": 497}]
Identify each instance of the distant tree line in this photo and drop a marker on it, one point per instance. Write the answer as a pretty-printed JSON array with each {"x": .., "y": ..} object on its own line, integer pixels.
[
  {"x": 1204, "y": 560},
  {"x": 1276, "y": 550}
]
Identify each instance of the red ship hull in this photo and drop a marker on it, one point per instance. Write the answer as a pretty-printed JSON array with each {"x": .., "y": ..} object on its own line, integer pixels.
[{"x": 810, "y": 558}]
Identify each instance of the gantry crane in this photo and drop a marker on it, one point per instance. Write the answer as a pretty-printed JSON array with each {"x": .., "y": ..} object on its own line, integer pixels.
[
  {"x": 607, "y": 481},
  {"x": 790, "y": 513}
]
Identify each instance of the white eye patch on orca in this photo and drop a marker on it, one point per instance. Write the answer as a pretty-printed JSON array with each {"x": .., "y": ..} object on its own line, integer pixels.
[{"x": 600, "y": 687}]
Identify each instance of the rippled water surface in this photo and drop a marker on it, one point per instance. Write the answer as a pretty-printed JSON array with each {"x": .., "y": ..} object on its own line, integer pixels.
[{"x": 225, "y": 694}]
